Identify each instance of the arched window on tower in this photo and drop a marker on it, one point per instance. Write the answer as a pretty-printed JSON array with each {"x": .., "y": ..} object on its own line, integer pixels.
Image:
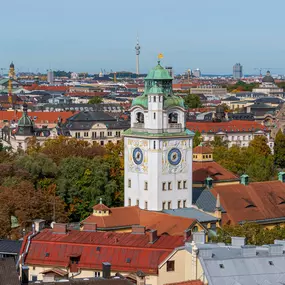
[
  {"x": 140, "y": 117},
  {"x": 173, "y": 118}
]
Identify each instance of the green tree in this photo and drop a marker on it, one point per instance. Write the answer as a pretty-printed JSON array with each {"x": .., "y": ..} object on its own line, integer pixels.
[
  {"x": 279, "y": 149},
  {"x": 197, "y": 139},
  {"x": 192, "y": 101},
  {"x": 95, "y": 100},
  {"x": 259, "y": 144},
  {"x": 218, "y": 141}
]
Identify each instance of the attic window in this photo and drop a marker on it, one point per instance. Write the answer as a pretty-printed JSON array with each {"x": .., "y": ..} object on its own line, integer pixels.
[
  {"x": 128, "y": 260},
  {"x": 222, "y": 266},
  {"x": 98, "y": 248},
  {"x": 249, "y": 203},
  {"x": 47, "y": 254},
  {"x": 281, "y": 200},
  {"x": 270, "y": 262}
]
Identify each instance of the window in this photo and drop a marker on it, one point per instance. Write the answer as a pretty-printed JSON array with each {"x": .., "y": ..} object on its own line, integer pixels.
[
  {"x": 102, "y": 142},
  {"x": 138, "y": 202},
  {"x": 270, "y": 262},
  {"x": 145, "y": 185},
  {"x": 77, "y": 135},
  {"x": 163, "y": 205},
  {"x": 184, "y": 203},
  {"x": 34, "y": 278},
  {"x": 130, "y": 202},
  {"x": 86, "y": 134},
  {"x": 154, "y": 98},
  {"x": 170, "y": 265},
  {"x": 94, "y": 135},
  {"x": 179, "y": 185},
  {"x": 169, "y": 185},
  {"x": 109, "y": 135},
  {"x": 163, "y": 186},
  {"x": 97, "y": 274},
  {"x": 154, "y": 144},
  {"x": 222, "y": 266},
  {"x": 129, "y": 183},
  {"x": 179, "y": 204},
  {"x": 154, "y": 116},
  {"x": 204, "y": 156},
  {"x": 184, "y": 184},
  {"x": 118, "y": 134},
  {"x": 145, "y": 205},
  {"x": 169, "y": 205},
  {"x": 101, "y": 135}
]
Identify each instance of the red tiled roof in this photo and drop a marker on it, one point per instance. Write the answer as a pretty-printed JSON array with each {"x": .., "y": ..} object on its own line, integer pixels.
[
  {"x": 202, "y": 170},
  {"x": 255, "y": 201},
  {"x": 38, "y": 117},
  {"x": 189, "y": 282},
  {"x": 230, "y": 126},
  {"x": 46, "y": 88},
  {"x": 128, "y": 216},
  {"x": 87, "y": 94},
  {"x": 100, "y": 207},
  {"x": 200, "y": 149},
  {"x": 97, "y": 247}
]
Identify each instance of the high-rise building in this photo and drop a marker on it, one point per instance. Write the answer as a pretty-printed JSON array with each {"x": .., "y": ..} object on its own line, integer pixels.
[
  {"x": 158, "y": 148},
  {"x": 197, "y": 73},
  {"x": 237, "y": 71},
  {"x": 50, "y": 77}
]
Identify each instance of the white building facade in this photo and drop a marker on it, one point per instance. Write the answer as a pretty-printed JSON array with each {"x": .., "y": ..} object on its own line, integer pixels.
[{"x": 158, "y": 148}]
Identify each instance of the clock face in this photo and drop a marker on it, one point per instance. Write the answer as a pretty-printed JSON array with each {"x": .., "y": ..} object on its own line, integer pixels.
[
  {"x": 137, "y": 155},
  {"x": 174, "y": 156}
]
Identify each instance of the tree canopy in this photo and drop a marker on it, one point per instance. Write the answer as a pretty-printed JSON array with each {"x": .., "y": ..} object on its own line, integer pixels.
[
  {"x": 279, "y": 149},
  {"x": 192, "y": 101},
  {"x": 95, "y": 100}
]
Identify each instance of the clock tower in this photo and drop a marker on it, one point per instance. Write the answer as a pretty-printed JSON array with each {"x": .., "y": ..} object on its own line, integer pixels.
[{"x": 158, "y": 148}]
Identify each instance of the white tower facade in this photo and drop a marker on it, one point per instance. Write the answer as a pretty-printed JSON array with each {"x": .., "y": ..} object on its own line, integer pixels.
[{"x": 158, "y": 148}]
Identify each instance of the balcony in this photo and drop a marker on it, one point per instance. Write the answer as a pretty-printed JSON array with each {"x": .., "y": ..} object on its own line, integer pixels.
[
  {"x": 139, "y": 125},
  {"x": 174, "y": 128}
]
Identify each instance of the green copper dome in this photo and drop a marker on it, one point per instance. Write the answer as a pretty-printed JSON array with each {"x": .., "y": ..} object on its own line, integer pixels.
[
  {"x": 155, "y": 90},
  {"x": 158, "y": 73},
  {"x": 173, "y": 101},
  {"x": 25, "y": 120},
  {"x": 140, "y": 101}
]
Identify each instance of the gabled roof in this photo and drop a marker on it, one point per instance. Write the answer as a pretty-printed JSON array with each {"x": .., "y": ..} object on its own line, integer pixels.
[
  {"x": 204, "y": 199},
  {"x": 257, "y": 201},
  {"x": 126, "y": 252},
  {"x": 201, "y": 149},
  {"x": 125, "y": 217}
]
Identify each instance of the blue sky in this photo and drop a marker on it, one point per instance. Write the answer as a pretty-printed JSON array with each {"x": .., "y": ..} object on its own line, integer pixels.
[{"x": 88, "y": 35}]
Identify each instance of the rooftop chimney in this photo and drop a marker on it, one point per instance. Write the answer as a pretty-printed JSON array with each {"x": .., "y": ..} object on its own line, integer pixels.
[
  {"x": 39, "y": 225},
  {"x": 59, "y": 228},
  {"x": 248, "y": 250},
  {"x": 106, "y": 268},
  {"x": 238, "y": 241},
  {"x": 244, "y": 179},
  {"x": 280, "y": 242},
  {"x": 275, "y": 249},
  {"x": 137, "y": 229},
  {"x": 152, "y": 236},
  {"x": 209, "y": 182},
  {"x": 88, "y": 227},
  {"x": 281, "y": 176}
]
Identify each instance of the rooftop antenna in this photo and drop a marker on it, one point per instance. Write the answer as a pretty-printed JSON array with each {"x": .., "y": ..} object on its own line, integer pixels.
[{"x": 138, "y": 51}]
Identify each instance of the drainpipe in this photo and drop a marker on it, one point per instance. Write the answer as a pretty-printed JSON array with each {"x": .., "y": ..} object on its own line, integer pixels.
[{"x": 23, "y": 255}]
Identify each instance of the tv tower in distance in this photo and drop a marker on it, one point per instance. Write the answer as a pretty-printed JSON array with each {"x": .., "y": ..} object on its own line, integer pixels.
[{"x": 138, "y": 48}]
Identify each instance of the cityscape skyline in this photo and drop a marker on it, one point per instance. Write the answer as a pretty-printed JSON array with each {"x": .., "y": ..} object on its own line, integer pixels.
[{"x": 88, "y": 41}]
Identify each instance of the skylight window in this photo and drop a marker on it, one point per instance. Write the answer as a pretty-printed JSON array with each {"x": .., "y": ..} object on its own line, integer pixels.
[
  {"x": 270, "y": 262},
  {"x": 222, "y": 266}
]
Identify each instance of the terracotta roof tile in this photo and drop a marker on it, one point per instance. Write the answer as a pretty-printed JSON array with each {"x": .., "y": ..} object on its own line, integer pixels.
[
  {"x": 202, "y": 170},
  {"x": 200, "y": 149},
  {"x": 128, "y": 216},
  {"x": 230, "y": 126},
  {"x": 255, "y": 201}
]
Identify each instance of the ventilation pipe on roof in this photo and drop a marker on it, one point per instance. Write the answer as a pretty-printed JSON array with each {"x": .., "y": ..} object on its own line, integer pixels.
[
  {"x": 106, "y": 268},
  {"x": 153, "y": 236},
  {"x": 244, "y": 179},
  {"x": 248, "y": 250},
  {"x": 88, "y": 227},
  {"x": 137, "y": 229},
  {"x": 275, "y": 249},
  {"x": 209, "y": 182},
  {"x": 281, "y": 176},
  {"x": 59, "y": 228},
  {"x": 238, "y": 241}
]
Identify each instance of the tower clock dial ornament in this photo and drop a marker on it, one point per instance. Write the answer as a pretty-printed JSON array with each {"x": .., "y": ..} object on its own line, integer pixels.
[
  {"x": 137, "y": 155},
  {"x": 174, "y": 156}
]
